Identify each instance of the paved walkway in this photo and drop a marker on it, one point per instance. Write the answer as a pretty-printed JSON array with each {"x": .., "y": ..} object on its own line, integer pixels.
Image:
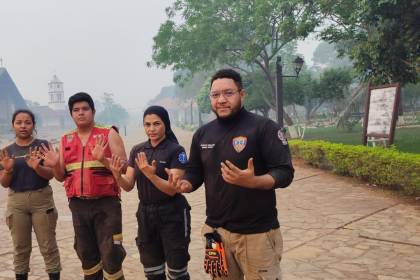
[{"x": 333, "y": 228}]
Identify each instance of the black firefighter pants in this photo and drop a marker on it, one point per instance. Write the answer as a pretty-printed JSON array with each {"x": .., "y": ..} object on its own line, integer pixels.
[
  {"x": 98, "y": 237},
  {"x": 163, "y": 237}
]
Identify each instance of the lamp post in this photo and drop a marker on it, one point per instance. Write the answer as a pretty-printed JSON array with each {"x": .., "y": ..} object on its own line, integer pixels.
[{"x": 298, "y": 63}]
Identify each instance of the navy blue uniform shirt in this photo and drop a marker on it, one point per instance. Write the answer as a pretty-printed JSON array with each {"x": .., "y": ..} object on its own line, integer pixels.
[{"x": 167, "y": 155}]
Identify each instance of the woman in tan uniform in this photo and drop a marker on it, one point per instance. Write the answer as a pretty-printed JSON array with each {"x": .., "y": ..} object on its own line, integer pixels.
[{"x": 30, "y": 201}]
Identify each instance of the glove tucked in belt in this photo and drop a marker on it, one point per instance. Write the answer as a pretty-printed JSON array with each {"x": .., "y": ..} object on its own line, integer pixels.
[{"x": 214, "y": 257}]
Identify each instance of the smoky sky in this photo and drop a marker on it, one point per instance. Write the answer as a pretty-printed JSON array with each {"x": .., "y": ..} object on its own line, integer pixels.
[{"x": 95, "y": 46}]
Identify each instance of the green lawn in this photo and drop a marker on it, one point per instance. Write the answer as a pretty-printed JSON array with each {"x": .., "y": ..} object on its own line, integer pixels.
[{"x": 406, "y": 139}]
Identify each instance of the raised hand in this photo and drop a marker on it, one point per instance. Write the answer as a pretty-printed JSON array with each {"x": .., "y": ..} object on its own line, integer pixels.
[
  {"x": 50, "y": 155},
  {"x": 98, "y": 151},
  {"x": 33, "y": 158},
  {"x": 240, "y": 177},
  {"x": 116, "y": 166},
  {"x": 7, "y": 161},
  {"x": 144, "y": 166}
]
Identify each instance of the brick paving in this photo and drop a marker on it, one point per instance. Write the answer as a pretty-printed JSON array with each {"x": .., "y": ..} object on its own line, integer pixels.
[{"x": 333, "y": 228}]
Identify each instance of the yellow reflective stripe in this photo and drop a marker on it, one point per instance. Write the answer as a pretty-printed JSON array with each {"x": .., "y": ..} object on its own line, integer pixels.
[
  {"x": 92, "y": 163},
  {"x": 115, "y": 276},
  {"x": 117, "y": 237},
  {"x": 93, "y": 270},
  {"x": 73, "y": 166},
  {"x": 98, "y": 125},
  {"x": 86, "y": 164}
]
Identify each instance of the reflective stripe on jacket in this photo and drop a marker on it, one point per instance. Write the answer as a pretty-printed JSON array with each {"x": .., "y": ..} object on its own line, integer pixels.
[{"x": 86, "y": 177}]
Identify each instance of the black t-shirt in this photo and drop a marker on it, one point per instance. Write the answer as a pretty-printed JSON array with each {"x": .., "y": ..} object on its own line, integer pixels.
[
  {"x": 245, "y": 135},
  {"x": 25, "y": 178},
  {"x": 167, "y": 155}
]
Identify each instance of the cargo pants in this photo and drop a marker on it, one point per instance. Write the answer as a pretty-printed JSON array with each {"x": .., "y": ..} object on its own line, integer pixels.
[
  {"x": 98, "y": 237},
  {"x": 163, "y": 238},
  {"x": 251, "y": 256},
  {"x": 27, "y": 210}
]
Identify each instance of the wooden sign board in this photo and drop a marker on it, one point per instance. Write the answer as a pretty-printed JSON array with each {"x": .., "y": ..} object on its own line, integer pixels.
[{"x": 381, "y": 113}]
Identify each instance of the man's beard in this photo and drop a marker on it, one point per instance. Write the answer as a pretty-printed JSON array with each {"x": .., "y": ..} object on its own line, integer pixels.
[{"x": 233, "y": 112}]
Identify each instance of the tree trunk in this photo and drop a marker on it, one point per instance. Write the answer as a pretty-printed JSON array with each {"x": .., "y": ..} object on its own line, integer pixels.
[
  {"x": 200, "y": 118},
  {"x": 346, "y": 113},
  {"x": 307, "y": 114},
  {"x": 191, "y": 113},
  {"x": 270, "y": 79},
  {"x": 185, "y": 115},
  {"x": 315, "y": 109}
]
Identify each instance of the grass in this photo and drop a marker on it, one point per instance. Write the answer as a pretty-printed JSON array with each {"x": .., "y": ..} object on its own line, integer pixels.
[{"x": 407, "y": 139}]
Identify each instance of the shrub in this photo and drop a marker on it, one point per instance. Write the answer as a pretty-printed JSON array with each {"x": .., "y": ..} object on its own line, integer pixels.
[{"x": 381, "y": 166}]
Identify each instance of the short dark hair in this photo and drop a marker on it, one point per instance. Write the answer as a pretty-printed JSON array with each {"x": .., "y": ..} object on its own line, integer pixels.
[
  {"x": 23, "y": 111},
  {"x": 79, "y": 97},
  {"x": 229, "y": 74}
]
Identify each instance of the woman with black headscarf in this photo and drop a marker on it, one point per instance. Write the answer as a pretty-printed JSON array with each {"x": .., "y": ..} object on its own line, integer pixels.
[{"x": 163, "y": 215}]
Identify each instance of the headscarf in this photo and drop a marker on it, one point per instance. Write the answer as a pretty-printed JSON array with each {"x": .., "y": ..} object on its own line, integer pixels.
[{"x": 164, "y": 116}]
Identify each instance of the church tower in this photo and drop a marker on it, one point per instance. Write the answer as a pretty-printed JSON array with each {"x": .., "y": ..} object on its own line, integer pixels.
[{"x": 56, "y": 94}]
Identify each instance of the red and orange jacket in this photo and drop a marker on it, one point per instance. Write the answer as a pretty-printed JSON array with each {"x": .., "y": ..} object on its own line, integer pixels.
[{"x": 85, "y": 176}]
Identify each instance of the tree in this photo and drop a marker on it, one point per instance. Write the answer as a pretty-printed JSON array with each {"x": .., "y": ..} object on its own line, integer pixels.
[
  {"x": 334, "y": 86},
  {"x": 312, "y": 93},
  {"x": 256, "y": 87},
  {"x": 239, "y": 33},
  {"x": 187, "y": 88},
  {"x": 381, "y": 37},
  {"x": 327, "y": 56},
  {"x": 112, "y": 113},
  {"x": 411, "y": 96},
  {"x": 203, "y": 99},
  {"x": 187, "y": 84}
]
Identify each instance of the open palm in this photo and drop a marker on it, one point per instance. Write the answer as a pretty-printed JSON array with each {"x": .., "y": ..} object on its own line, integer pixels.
[
  {"x": 144, "y": 166},
  {"x": 50, "y": 155},
  {"x": 33, "y": 159},
  {"x": 6, "y": 161}
]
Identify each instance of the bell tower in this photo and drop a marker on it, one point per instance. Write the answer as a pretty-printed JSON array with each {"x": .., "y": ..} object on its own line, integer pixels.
[{"x": 56, "y": 94}]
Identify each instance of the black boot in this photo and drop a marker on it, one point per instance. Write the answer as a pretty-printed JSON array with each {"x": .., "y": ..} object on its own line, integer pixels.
[
  {"x": 22, "y": 276},
  {"x": 54, "y": 276}
]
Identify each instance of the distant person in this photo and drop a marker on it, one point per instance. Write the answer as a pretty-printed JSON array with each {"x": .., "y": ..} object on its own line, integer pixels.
[
  {"x": 163, "y": 215},
  {"x": 241, "y": 158},
  {"x": 30, "y": 202},
  {"x": 94, "y": 197}
]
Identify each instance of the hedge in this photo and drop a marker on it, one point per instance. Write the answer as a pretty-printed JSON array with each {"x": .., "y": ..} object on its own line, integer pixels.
[{"x": 381, "y": 166}]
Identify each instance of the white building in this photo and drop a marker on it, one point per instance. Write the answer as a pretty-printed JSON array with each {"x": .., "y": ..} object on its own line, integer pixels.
[{"x": 56, "y": 94}]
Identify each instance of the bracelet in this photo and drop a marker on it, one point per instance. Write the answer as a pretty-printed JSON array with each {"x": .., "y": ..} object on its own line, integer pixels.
[{"x": 8, "y": 172}]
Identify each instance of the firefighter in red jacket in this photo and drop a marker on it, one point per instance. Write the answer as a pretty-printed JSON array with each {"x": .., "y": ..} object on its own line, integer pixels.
[{"x": 94, "y": 196}]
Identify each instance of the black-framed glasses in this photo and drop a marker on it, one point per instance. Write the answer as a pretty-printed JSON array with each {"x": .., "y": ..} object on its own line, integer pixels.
[{"x": 226, "y": 93}]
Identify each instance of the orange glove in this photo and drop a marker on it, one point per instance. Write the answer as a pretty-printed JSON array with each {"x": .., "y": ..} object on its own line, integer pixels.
[{"x": 214, "y": 257}]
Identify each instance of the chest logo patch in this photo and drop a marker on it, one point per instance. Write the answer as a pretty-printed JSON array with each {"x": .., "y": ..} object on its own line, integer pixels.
[
  {"x": 182, "y": 157},
  {"x": 239, "y": 143}
]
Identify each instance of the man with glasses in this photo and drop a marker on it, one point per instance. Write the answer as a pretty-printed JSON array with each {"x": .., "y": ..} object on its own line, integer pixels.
[{"x": 241, "y": 158}]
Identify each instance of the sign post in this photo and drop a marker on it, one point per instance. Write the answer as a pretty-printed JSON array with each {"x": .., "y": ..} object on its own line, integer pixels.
[{"x": 381, "y": 114}]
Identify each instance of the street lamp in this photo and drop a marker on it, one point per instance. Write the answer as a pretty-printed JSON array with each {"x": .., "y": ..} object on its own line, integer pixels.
[{"x": 298, "y": 63}]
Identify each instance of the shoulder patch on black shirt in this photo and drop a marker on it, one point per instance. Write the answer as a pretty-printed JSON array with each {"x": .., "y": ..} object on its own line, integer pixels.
[
  {"x": 281, "y": 136},
  {"x": 182, "y": 157}
]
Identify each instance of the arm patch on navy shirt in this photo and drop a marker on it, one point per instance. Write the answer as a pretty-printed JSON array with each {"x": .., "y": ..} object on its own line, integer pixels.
[{"x": 182, "y": 158}]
